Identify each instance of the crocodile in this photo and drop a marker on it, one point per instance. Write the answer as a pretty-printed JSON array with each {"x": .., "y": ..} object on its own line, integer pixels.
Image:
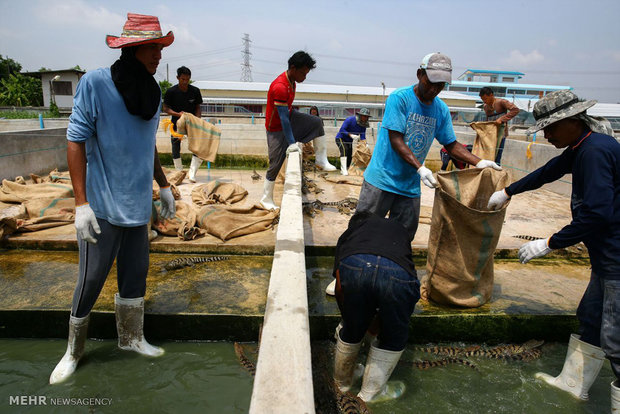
[{"x": 190, "y": 261}]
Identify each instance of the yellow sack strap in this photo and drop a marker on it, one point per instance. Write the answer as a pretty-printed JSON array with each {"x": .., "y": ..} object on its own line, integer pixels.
[{"x": 166, "y": 125}]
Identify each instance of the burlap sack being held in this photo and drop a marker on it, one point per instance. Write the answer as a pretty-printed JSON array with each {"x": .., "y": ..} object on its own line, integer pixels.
[
  {"x": 488, "y": 138},
  {"x": 203, "y": 138},
  {"x": 463, "y": 237},
  {"x": 183, "y": 224},
  {"x": 360, "y": 159}
]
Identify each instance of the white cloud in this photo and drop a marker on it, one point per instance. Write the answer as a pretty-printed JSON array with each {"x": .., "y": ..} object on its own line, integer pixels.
[
  {"x": 77, "y": 13},
  {"x": 615, "y": 55},
  {"x": 552, "y": 42},
  {"x": 517, "y": 58}
]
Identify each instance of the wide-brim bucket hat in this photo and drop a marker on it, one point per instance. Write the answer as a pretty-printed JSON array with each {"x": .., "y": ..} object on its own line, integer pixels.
[
  {"x": 556, "y": 106},
  {"x": 140, "y": 29},
  {"x": 364, "y": 111}
]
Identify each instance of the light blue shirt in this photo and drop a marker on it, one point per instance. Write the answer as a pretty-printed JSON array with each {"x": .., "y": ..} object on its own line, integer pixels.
[
  {"x": 120, "y": 150},
  {"x": 419, "y": 123}
]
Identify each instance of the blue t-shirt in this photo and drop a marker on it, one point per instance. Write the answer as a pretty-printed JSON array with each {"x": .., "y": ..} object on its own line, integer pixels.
[
  {"x": 120, "y": 150},
  {"x": 350, "y": 125},
  {"x": 419, "y": 123}
]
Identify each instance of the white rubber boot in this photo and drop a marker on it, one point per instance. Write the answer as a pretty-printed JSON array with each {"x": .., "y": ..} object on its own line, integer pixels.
[
  {"x": 78, "y": 329},
  {"x": 331, "y": 288},
  {"x": 345, "y": 365},
  {"x": 267, "y": 198},
  {"x": 130, "y": 327},
  {"x": 178, "y": 164},
  {"x": 615, "y": 397},
  {"x": 320, "y": 151},
  {"x": 343, "y": 166},
  {"x": 379, "y": 367},
  {"x": 193, "y": 168},
  {"x": 581, "y": 366}
]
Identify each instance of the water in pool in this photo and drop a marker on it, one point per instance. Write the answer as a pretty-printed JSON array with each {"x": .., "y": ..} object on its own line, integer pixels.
[{"x": 206, "y": 377}]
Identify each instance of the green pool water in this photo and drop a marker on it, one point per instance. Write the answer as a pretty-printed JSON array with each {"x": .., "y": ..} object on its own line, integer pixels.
[{"x": 206, "y": 377}]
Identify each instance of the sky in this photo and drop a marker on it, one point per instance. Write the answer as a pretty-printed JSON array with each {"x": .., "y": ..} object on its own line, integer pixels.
[{"x": 569, "y": 42}]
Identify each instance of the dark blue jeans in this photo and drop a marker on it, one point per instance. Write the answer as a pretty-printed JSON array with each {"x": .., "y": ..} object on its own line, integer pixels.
[
  {"x": 599, "y": 318},
  {"x": 374, "y": 285}
]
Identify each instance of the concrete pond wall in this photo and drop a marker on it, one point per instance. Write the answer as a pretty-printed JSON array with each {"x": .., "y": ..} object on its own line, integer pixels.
[{"x": 26, "y": 149}]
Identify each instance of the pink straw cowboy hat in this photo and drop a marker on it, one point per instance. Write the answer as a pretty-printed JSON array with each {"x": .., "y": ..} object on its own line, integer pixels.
[{"x": 139, "y": 30}]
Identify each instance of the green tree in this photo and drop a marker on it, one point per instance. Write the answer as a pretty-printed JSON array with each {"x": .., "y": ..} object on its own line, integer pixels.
[
  {"x": 8, "y": 67},
  {"x": 77, "y": 67},
  {"x": 44, "y": 69},
  {"x": 20, "y": 90},
  {"x": 164, "y": 86}
]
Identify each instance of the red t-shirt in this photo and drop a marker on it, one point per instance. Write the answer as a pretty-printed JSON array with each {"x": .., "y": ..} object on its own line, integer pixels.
[{"x": 281, "y": 92}]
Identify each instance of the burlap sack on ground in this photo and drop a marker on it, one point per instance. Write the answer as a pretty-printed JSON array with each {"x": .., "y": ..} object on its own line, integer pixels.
[
  {"x": 12, "y": 192},
  {"x": 226, "y": 223},
  {"x": 360, "y": 159},
  {"x": 183, "y": 224},
  {"x": 345, "y": 179},
  {"x": 488, "y": 138},
  {"x": 175, "y": 177},
  {"x": 216, "y": 192},
  {"x": 54, "y": 176},
  {"x": 463, "y": 237},
  {"x": 203, "y": 138},
  {"x": 44, "y": 213}
]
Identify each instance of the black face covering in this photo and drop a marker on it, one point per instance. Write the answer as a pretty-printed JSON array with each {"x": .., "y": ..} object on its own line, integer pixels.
[{"x": 136, "y": 85}]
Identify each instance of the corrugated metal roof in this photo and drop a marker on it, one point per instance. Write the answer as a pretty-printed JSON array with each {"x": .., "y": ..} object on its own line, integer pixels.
[
  {"x": 605, "y": 109},
  {"x": 316, "y": 88}
]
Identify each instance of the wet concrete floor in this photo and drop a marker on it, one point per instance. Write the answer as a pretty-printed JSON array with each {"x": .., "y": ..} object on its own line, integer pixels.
[{"x": 228, "y": 303}]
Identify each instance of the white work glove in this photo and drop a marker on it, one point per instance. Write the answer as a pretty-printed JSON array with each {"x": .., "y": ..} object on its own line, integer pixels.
[
  {"x": 487, "y": 163},
  {"x": 86, "y": 223},
  {"x": 354, "y": 136},
  {"x": 168, "y": 208},
  {"x": 427, "y": 178},
  {"x": 497, "y": 200},
  {"x": 533, "y": 249},
  {"x": 292, "y": 148}
]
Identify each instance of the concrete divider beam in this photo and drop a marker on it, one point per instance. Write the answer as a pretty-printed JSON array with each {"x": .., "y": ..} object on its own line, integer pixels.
[{"x": 283, "y": 382}]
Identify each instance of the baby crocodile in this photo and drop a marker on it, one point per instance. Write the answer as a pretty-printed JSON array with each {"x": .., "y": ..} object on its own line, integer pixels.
[{"x": 190, "y": 261}]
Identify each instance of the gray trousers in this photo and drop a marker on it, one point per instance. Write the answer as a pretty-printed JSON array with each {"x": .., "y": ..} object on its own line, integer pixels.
[
  {"x": 405, "y": 210},
  {"x": 305, "y": 128},
  {"x": 129, "y": 246}
]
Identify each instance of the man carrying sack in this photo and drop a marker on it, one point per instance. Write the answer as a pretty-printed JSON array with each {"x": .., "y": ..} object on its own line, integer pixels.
[
  {"x": 112, "y": 161},
  {"x": 414, "y": 116},
  {"x": 592, "y": 156}
]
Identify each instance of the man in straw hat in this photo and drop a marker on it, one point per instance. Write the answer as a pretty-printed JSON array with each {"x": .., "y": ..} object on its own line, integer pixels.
[
  {"x": 414, "y": 116},
  {"x": 112, "y": 161},
  {"x": 592, "y": 156}
]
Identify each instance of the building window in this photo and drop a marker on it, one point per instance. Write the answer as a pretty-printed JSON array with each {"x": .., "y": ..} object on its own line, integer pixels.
[
  {"x": 509, "y": 79},
  {"x": 62, "y": 88},
  {"x": 349, "y": 111},
  {"x": 212, "y": 108},
  {"x": 254, "y": 109},
  {"x": 457, "y": 88},
  {"x": 516, "y": 92},
  {"x": 327, "y": 112}
]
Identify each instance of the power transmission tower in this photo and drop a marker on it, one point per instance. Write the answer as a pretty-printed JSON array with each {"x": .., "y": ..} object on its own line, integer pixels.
[{"x": 246, "y": 68}]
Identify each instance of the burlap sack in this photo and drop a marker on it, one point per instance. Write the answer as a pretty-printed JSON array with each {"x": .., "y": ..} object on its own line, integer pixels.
[
  {"x": 216, "y": 192},
  {"x": 360, "y": 159},
  {"x": 345, "y": 179},
  {"x": 463, "y": 237},
  {"x": 11, "y": 192},
  {"x": 203, "y": 138},
  {"x": 488, "y": 137},
  {"x": 183, "y": 224},
  {"x": 226, "y": 223}
]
